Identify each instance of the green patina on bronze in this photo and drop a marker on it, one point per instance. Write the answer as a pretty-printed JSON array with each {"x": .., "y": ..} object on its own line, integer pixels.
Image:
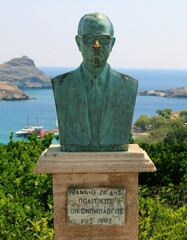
[{"x": 94, "y": 103}]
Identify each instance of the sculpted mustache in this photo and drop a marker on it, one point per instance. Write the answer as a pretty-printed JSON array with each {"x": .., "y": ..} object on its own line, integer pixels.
[{"x": 97, "y": 53}]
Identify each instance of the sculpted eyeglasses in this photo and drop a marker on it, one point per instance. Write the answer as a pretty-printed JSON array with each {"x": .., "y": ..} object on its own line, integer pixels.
[{"x": 90, "y": 39}]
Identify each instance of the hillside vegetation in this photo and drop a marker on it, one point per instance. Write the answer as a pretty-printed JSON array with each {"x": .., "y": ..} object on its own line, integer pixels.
[
  {"x": 163, "y": 128},
  {"x": 26, "y": 205}
]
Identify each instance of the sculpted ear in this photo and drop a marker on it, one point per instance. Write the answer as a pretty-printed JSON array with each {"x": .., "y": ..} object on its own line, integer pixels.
[
  {"x": 78, "y": 41},
  {"x": 112, "y": 42}
]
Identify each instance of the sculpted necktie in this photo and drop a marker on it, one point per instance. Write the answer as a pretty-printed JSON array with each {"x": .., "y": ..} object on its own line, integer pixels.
[{"x": 95, "y": 99}]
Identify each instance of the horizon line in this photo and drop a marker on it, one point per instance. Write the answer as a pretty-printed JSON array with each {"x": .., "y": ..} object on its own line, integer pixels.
[{"x": 139, "y": 68}]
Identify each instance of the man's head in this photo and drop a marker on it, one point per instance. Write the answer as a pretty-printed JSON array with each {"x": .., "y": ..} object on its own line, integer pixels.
[{"x": 95, "y": 40}]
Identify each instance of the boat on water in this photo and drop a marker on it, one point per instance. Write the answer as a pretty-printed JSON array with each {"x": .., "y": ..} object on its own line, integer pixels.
[{"x": 28, "y": 130}]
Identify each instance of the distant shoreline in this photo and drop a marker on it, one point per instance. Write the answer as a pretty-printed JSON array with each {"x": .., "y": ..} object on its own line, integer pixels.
[{"x": 169, "y": 93}]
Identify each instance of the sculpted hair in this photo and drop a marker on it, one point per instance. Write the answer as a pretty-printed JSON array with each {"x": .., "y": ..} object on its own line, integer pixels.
[{"x": 93, "y": 17}]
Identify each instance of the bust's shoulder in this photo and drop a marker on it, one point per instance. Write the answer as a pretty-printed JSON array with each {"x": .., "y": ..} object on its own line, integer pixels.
[
  {"x": 125, "y": 78},
  {"x": 62, "y": 78}
]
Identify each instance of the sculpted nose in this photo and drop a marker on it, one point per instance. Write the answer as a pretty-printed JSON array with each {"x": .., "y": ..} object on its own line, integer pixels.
[{"x": 96, "y": 44}]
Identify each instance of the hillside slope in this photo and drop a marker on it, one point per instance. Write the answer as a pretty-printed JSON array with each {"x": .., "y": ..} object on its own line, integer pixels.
[
  {"x": 23, "y": 73},
  {"x": 9, "y": 91}
]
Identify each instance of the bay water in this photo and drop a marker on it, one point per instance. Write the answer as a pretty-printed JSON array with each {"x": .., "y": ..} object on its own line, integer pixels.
[{"x": 15, "y": 115}]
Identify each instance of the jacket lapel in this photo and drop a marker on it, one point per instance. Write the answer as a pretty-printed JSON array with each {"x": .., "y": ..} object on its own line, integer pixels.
[
  {"x": 78, "y": 100},
  {"x": 112, "y": 100}
]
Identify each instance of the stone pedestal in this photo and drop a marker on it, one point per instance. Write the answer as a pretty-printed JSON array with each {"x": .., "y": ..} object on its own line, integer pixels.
[{"x": 84, "y": 176}]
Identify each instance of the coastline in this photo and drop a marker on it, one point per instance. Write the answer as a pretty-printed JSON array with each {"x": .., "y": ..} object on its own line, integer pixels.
[
  {"x": 14, "y": 113},
  {"x": 169, "y": 93}
]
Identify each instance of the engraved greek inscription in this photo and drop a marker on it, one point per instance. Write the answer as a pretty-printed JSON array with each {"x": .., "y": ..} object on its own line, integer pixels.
[
  {"x": 116, "y": 193},
  {"x": 119, "y": 211},
  {"x": 98, "y": 206},
  {"x": 95, "y": 200},
  {"x": 82, "y": 192},
  {"x": 103, "y": 192}
]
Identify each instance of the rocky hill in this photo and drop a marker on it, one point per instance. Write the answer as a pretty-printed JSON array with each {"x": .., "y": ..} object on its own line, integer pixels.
[
  {"x": 170, "y": 93},
  {"x": 23, "y": 73},
  {"x": 9, "y": 91}
]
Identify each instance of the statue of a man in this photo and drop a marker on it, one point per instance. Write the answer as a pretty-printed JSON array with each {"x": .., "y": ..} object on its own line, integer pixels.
[{"x": 94, "y": 103}]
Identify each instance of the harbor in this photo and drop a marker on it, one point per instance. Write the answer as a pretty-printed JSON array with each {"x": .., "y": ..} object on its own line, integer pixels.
[
  {"x": 30, "y": 130},
  {"x": 40, "y": 131}
]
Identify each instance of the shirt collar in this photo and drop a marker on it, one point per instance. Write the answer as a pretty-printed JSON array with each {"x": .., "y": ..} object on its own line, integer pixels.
[{"x": 102, "y": 74}]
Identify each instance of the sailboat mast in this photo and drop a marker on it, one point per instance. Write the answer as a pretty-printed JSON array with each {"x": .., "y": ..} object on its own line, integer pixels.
[
  {"x": 37, "y": 123},
  {"x": 27, "y": 119}
]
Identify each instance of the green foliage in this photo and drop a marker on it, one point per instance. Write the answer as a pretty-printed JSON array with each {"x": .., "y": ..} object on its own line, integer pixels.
[
  {"x": 172, "y": 196},
  {"x": 159, "y": 221},
  {"x": 167, "y": 131},
  {"x": 162, "y": 201},
  {"x": 183, "y": 113},
  {"x": 142, "y": 122},
  {"x": 57, "y": 137},
  {"x": 183, "y": 116},
  {"x": 163, "y": 129},
  {"x": 155, "y": 136},
  {"x": 131, "y": 139},
  {"x": 25, "y": 198},
  {"x": 171, "y": 162},
  {"x": 157, "y": 122},
  {"x": 177, "y": 131},
  {"x": 166, "y": 113}
]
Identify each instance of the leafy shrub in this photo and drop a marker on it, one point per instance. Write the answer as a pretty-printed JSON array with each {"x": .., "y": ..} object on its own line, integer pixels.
[
  {"x": 166, "y": 113},
  {"x": 163, "y": 128},
  {"x": 183, "y": 113},
  {"x": 171, "y": 162},
  {"x": 157, "y": 221},
  {"x": 25, "y": 198}
]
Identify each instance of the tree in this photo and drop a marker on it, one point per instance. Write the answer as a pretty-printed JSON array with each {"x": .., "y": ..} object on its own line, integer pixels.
[
  {"x": 166, "y": 113},
  {"x": 183, "y": 113},
  {"x": 142, "y": 122},
  {"x": 25, "y": 198},
  {"x": 183, "y": 116},
  {"x": 178, "y": 132},
  {"x": 156, "y": 122},
  {"x": 170, "y": 161}
]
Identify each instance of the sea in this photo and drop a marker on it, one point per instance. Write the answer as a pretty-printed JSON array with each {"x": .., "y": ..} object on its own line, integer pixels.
[{"x": 15, "y": 115}]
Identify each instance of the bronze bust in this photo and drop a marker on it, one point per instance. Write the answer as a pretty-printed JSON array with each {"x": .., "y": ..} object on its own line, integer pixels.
[{"x": 94, "y": 103}]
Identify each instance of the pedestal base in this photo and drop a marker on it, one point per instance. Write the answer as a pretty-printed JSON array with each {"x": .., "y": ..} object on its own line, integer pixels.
[
  {"x": 93, "y": 170},
  {"x": 128, "y": 231}
]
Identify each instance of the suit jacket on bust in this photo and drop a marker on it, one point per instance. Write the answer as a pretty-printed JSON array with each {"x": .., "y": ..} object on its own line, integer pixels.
[{"x": 118, "y": 103}]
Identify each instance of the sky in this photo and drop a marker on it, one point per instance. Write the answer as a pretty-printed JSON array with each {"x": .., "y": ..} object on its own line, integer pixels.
[{"x": 149, "y": 33}]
